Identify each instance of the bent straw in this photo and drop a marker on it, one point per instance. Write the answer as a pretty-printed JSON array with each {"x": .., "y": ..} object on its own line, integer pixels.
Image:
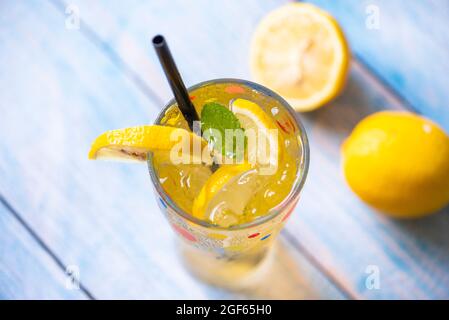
[{"x": 174, "y": 79}]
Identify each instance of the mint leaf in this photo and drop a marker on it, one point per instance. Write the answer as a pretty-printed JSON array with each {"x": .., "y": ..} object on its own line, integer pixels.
[{"x": 222, "y": 130}]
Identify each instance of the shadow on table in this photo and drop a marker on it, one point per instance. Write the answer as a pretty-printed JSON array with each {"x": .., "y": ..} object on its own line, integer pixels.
[
  {"x": 286, "y": 277},
  {"x": 358, "y": 100},
  {"x": 431, "y": 234}
]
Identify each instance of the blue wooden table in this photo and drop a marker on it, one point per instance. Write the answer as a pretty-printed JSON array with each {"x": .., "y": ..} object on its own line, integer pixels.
[{"x": 75, "y": 229}]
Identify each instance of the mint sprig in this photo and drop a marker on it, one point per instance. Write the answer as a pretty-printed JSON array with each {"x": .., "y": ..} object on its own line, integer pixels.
[{"x": 216, "y": 122}]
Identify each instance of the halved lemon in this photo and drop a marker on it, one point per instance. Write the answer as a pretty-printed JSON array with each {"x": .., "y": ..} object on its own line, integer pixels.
[
  {"x": 300, "y": 51},
  {"x": 264, "y": 142},
  {"x": 133, "y": 144}
]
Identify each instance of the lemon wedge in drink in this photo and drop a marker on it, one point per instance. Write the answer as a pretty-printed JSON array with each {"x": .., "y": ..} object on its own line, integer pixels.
[
  {"x": 251, "y": 115},
  {"x": 133, "y": 144},
  {"x": 215, "y": 186},
  {"x": 300, "y": 51},
  {"x": 264, "y": 142}
]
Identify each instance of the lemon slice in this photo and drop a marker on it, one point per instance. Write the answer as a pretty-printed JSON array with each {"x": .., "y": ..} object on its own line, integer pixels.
[
  {"x": 213, "y": 186},
  {"x": 300, "y": 51},
  {"x": 264, "y": 143},
  {"x": 133, "y": 144}
]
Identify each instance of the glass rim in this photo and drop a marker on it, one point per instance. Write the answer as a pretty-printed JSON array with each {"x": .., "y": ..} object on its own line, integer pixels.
[{"x": 301, "y": 173}]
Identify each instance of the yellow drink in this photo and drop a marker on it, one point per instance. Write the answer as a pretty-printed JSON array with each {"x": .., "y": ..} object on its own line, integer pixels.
[{"x": 233, "y": 229}]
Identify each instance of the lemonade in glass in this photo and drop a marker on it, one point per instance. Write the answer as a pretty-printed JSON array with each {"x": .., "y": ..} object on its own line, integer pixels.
[{"x": 227, "y": 215}]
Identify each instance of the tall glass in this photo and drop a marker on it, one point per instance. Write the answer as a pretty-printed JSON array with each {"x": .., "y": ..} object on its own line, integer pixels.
[{"x": 231, "y": 256}]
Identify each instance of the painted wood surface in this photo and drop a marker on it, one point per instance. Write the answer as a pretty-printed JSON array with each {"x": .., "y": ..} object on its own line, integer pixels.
[
  {"x": 408, "y": 47},
  {"x": 70, "y": 85},
  {"x": 24, "y": 262}
]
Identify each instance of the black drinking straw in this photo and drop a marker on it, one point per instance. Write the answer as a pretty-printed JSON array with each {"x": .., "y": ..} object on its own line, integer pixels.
[{"x": 175, "y": 81}]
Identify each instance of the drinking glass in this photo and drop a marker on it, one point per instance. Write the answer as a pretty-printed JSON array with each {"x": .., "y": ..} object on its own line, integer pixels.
[{"x": 231, "y": 256}]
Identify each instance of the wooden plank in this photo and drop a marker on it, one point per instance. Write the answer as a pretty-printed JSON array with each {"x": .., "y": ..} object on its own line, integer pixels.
[
  {"x": 62, "y": 92},
  {"x": 26, "y": 270},
  {"x": 408, "y": 47},
  {"x": 344, "y": 236}
]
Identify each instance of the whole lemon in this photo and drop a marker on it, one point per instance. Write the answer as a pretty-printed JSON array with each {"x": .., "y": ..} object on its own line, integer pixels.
[{"x": 398, "y": 162}]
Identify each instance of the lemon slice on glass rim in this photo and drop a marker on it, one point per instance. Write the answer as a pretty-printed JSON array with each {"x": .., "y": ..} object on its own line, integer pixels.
[
  {"x": 133, "y": 144},
  {"x": 300, "y": 52}
]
